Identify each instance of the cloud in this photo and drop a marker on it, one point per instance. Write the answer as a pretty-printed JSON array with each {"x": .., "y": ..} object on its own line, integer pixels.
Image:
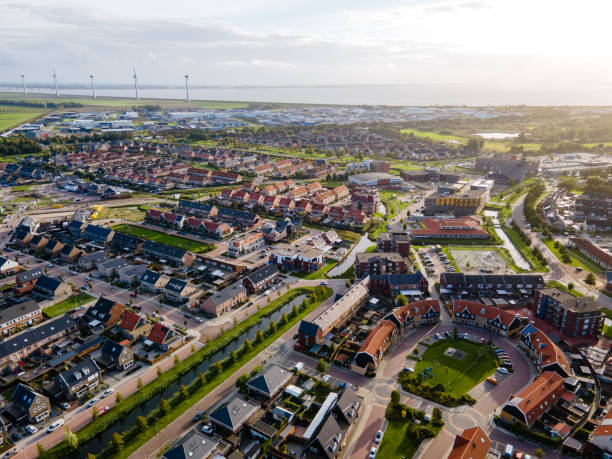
[{"x": 452, "y": 7}]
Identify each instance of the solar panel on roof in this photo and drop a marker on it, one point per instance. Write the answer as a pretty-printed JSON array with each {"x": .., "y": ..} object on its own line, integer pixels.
[{"x": 528, "y": 330}]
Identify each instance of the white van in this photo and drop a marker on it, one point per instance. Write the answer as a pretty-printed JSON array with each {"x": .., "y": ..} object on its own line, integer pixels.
[{"x": 55, "y": 425}]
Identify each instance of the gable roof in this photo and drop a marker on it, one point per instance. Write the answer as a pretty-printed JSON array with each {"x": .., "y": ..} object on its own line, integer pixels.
[
  {"x": 539, "y": 396},
  {"x": 80, "y": 372},
  {"x": 32, "y": 336},
  {"x": 194, "y": 445},
  {"x": 150, "y": 276},
  {"x": 270, "y": 381},
  {"x": 24, "y": 396},
  {"x": 101, "y": 310},
  {"x": 377, "y": 340},
  {"x": 160, "y": 333},
  {"x": 30, "y": 275},
  {"x": 176, "y": 285},
  {"x": 112, "y": 349},
  {"x": 234, "y": 414},
  {"x": 473, "y": 443},
  {"x": 48, "y": 283},
  {"x": 131, "y": 321},
  {"x": 550, "y": 353},
  {"x": 18, "y": 310},
  {"x": 263, "y": 274},
  {"x": 482, "y": 310},
  {"x": 229, "y": 292}
]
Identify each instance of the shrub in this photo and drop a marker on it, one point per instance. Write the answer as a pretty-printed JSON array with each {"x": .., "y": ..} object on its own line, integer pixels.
[{"x": 322, "y": 366}]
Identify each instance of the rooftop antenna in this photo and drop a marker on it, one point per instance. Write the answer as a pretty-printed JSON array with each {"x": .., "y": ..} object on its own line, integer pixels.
[
  {"x": 93, "y": 88},
  {"x": 135, "y": 83},
  {"x": 187, "y": 89},
  {"x": 55, "y": 83},
  {"x": 25, "y": 91}
]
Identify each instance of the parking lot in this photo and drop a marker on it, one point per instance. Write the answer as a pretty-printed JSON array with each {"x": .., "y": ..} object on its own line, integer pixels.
[{"x": 435, "y": 261}]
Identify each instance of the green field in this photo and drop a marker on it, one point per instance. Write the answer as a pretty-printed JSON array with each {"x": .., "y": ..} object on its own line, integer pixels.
[
  {"x": 169, "y": 239},
  {"x": 458, "y": 376},
  {"x": 11, "y": 116},
  {"x": 578, "y": 259},
  {"x": 67, "y": 305},
  {"x": 397, "y": 443},
  {"x": 437, "y": 136}
]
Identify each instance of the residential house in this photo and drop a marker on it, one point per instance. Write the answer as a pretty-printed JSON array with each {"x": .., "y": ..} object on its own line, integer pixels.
[
  {"x": 23, "y": 237},
  {"x": 487, "y": 285},
  {"x": 409, "y": 284},
  {"x": 180, "y": 291},
  {"x": 127, "y": 243},
  {"x": 79, "y": 380},
  {"x": 346, "y": 409},
  {"x": 29, "y": 404},
  {"x": 52, "y": 287},
  {"x": 193, "y": 445},
  {"x": 495, "y": 320},
  {"x": 164, "y": 337},
  {"x": 531, "y": 403},
  {"x": 416, "y": 314},
  {"x": 70, "y": 254},
  {"x": 38, "y": 243},
  {"x": 104, "y": 313},
  {"x": 19, "y": 315},
  {"x": 53, "y": 248},
  {"x": 232, "y": 417},
  {"x": 180, "y": 257},
  {"x": 375, "y": 345},
  {"x": 8, "y": 267},
  {"x": 271, "y": 202},
  {"x": 270, "y": 382},
  {"x": 134, "y": 325},
  {"x": 117, "y": 356},
  {"x": 91, "y": 260},
  {"x": 101, "y": 234},
  {"x": 130, "y": 275},
  {"x": 472, "y": 443},
  {"x": 153, "y": 282},
  {"x": 328, "y": 441},
  {"x": 297, "y": 258},
  {"x": 246, "y": 244},
  {"x": 76, "y": 227},
  {"x": 110, "y": 268},
  {"x": 543, "y": 351},
  {"x": 260, "y": 279},
  {"x": 225, "y": 299},
  {"x": 19, "y": 346},
  {"x": 26, "y": 280}
]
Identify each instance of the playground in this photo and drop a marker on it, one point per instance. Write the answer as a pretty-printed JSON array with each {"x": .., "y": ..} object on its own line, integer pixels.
[{"x": 458, "y": 365}]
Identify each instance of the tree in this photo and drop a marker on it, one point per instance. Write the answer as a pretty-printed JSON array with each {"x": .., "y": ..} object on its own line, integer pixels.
[
  {"x": 117, "y": 441},
  {"x": 164, "y": 406},
  {"x": 242, "y": 381},
  {"x": 40, "y": 448},
  {"x": 247, "y": 345},
  {"x": 322, "y": 366},
  {"x": 395, "y": 398},
  {"x": 118, "y": 397},
  {"x": 90, "y": 456},
  {"x": 539, "y": 453},
  {"x": 233, "y": 356},
  {"x": 202, "y": 378},
  {"x": 284, "y": 319},
  {"x": 570, "y": 286},
  {"x": 294, "y": 311},
  {"x": 218, "y": 367},
  {"x": 590, "y": 279},
  {"x": 455, "y": 333},
  {"x": 139, "y": 381},
  {"x": 273, "y": 326},
  {"x": 184, "y": 391},
  {"x": 402, "y": 300},
  {"x": 142, "y": 424},
  {"x": 71, "y": 439},
  {"x": 159, "y": 371},
  {"x": 94, "y": 412},
  {"x": 436, "y": 417}
]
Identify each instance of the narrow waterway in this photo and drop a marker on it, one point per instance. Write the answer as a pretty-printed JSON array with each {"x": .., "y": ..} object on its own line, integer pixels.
[
  {"x": 518, "y": 258},
  {"x": 349, "y": 261},
  {"x": 101, "y": 441}
]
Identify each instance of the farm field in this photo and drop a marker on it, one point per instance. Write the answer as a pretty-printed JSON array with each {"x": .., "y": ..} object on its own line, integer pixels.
[
  {"x": 457, "y": 375},
  {"x": 169, "y": 239},
  {"x": 11, "y": 116}
]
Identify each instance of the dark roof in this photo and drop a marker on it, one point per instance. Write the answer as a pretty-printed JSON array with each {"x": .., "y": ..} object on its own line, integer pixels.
[
  {"x": 271, "y": 380},
  {"x": 24, "y": 396},
  {"x": 21, "y": 233},
  {"x": 473, "y": 279},
  {"x": 227, "y": 293},
  {"x": 30, "y": 275},
  {"x": 308, "y": 328},
  {"x": 48, "y": 283},
  {"x": 399, "y": 279},
  {"x": 194, "y": 445},
  {"x": 196, "y": 205},
  {"x": 176, "y": 285},
  {"x": 112, "y": 349},
  {"x": 150, "y": 277},
  {"x": 101, "y": 310},
  {"x": 18, "y": 310},
  {"x": 126, "y": 240},
  {"x": 35, "y": 335},
  {"x": 234, "y": 414},
  {"x": 67, "y": 249},
  {"x": 79, "y": 372},
  {"x": 234, "y": 214},
  {"x": 97, "y": 231},
  {"x": 94, "y": 256},
  {"x": 263, "y": 274},
  {"x": 330, "y": 436},
  {"x": 163, "y": 250},
  {"x": 75, "y": 225},
  {"x": 349, "y": 404}
]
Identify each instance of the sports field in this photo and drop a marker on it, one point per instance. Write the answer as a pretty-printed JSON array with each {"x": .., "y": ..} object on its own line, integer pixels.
[
  {"x": 459, "y": 373},
  {"x": 169, "y": 239}
]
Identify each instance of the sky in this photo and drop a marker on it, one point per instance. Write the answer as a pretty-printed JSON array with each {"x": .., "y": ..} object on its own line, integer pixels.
[{"x": 536, "y": 44}]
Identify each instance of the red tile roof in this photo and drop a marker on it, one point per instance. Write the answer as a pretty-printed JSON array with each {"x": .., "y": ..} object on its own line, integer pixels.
[
  {"x": 592, "y": 250},
  {"x": 539, "y": 396},
  {"x": 158, "y": 333},
  {"x": 378, "y": 339},
  {"x": 473, "y": 443},
  {"x": 130, "y": 320},
  {"x": 482, "y": 310}
]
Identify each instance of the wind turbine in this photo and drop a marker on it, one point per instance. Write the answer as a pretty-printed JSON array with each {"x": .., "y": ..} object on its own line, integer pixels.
[
  {"x": 25, "y": 91},
  {"x": 135, "y": 83},
  {"x": 93, "y": 88},
  {"x": 187, "y": 89},
  {"x": 55, "y": 83}
]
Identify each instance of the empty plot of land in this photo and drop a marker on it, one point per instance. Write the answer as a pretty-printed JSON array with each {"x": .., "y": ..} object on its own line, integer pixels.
[{"x": 475, "y": 260}]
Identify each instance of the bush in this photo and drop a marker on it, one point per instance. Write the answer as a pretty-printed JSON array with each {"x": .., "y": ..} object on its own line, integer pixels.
[{"x": 322, "y": 366}]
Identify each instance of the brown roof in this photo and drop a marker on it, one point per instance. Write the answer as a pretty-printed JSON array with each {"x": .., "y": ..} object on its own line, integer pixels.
[
  {"x": 130, "y": 320},
  {"x": 539, "y": 396},
  {"x": 377, "y": 339},
  {"x": 592, "y": 250},
  {"x": 473, "y": 443},
  {"x": 482, "y": 310}
]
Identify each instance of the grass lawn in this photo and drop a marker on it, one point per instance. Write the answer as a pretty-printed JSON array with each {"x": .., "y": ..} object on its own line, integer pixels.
[
  {"x": 169, "y": 239},
  {"x": 347, "y": 235},
  {"x": 607, "y": 331},
  {"x": 437, "y": 136},
  {"x": 397, "y": 443},
  {"x": 132, "y": 213},
  {"x": 607, "y": 312},
  {"x": 68, "y": 304},
  {"x": 321, "y": 273},
  {"x": 11, "y": 116},
  {"x": 560, "y": 286},
  {"x": 578, "y": 259},
  {"x": 458, "y": 376}
]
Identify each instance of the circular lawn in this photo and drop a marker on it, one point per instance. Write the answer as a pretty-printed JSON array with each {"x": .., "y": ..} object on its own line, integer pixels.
[{"x": 458, "y": 365}]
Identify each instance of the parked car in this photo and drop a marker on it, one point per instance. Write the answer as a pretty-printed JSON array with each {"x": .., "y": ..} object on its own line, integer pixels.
[
  {"x": 107, "y": 392},
  {"x": 207, "y": 429},
  {"x": 31, "y": 429},
  {"x": 198, "y": 415},
  {"x": 55, "y": 425},
  {"x": 92, "y": 402},
  {"x": 133, "y": 295},
  {"x": 482, "y": 340},
  {"x": 438, "y": 336},
  {"x": 199, "y": 320},
  {"x": 65, "y": 405},
  {"x": 10, "y": 452},
  {"x": 102, "y": 410},
  {"x": 378, "y": 437},
  {"x": 503, "y": 370},
  {"x": 372, "y": 454},
  {"x": 323, "y": 283},
  {"x": 492, "y": 380}
]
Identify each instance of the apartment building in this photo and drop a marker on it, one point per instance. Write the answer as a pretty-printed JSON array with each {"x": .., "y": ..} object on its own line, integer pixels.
[
  {"x": 495, "y": 320},
  {"x": 380, "y": 263},
  {"x": 394, "y": 242},
  {"x": 465, "y": 202},
  {"x": 365, "y": 199},
  {"x": 292, "y": 258},
  {"x": 246, "y": 244}
]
